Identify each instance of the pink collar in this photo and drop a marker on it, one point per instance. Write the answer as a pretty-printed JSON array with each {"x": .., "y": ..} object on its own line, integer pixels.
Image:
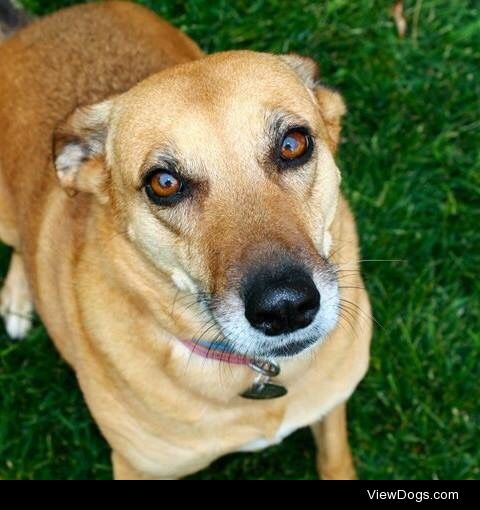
[{"x": 219, "y": 351}]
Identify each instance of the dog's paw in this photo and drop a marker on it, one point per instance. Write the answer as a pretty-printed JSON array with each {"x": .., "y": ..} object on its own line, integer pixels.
[{"x": 16, "y": 310}]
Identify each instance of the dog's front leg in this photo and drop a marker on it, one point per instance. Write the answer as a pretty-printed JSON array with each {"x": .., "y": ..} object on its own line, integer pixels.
[
  {"x": 123, "y": 470},
  {"x": 334, "y": 458},
  {"x": 16, "y": 305}
]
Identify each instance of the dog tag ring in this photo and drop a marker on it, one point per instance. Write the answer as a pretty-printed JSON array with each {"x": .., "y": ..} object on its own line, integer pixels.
[
  {"x": 262, "y": 389},
  {"x": 266, "y": 368}
]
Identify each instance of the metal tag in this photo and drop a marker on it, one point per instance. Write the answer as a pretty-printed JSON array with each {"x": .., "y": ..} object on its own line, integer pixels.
[
  {"x": 262, "y": 388},
  {"x": 266, "y": 368},
  {"x": 264, "y": 391}
]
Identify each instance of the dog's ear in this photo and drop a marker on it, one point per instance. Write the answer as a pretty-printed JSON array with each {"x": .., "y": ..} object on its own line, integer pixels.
[
  {"x": 329, "y": 101},
  {"x": 79, "y": 150}
]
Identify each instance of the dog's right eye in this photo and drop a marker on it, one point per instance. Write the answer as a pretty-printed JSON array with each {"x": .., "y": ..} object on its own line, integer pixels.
[
  {"x": 294, "y": 145},
  {"x": 164, "y": 187}
]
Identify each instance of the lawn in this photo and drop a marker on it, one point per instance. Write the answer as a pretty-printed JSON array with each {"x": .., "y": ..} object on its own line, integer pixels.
[{"x": 411, "y": 168}]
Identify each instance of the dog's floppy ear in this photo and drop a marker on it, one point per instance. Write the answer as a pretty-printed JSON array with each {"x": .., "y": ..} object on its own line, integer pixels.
[
  {"x": 330, "y": 102},
  {"x": 79, "y": 150}
]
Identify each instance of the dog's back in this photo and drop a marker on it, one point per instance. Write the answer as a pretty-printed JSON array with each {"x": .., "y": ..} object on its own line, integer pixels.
[{"x": 11, "y": 19}]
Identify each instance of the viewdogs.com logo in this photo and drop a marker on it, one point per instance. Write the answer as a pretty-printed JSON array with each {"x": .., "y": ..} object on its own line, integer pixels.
[{"x": 417, "y": 496}]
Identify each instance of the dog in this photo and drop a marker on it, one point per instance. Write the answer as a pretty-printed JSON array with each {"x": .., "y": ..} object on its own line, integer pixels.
[{"x": 177, "y": 223}]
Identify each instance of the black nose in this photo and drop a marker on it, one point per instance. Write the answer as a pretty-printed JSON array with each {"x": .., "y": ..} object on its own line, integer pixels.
[{"x": 281, "y": 302}]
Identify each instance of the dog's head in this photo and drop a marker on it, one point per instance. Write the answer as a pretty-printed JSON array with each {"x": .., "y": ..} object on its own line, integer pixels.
[{"x": 221, "y": 172}]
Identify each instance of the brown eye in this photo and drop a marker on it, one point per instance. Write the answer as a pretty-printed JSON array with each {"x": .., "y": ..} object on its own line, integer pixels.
[
  {"x": 294, "y": 145},
  {"x": 165, "y": 187},
  {"x": 164, "y": 184}
]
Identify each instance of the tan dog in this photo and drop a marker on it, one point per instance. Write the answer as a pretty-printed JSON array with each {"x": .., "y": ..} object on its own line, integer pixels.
[{"x": 202, "y": 210}]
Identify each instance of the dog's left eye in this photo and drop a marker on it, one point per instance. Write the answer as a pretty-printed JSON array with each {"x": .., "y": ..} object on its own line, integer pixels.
[
  {"x": 295, "y": 147},
  {"x": 164, "y": 187}
]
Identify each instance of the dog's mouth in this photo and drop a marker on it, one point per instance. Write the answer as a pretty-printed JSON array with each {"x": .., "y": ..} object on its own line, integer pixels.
[{"x": 290, "y": 349}]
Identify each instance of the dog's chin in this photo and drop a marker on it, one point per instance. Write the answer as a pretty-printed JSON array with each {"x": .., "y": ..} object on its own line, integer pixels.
[{"x": 286, "y": 350}]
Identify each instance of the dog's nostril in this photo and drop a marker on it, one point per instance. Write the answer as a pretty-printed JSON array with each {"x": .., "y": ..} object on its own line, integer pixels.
[{"x": 282, "y": 304}]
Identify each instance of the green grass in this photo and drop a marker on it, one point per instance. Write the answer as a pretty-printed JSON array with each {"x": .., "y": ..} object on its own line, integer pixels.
[{"x": 411, "y": 166}]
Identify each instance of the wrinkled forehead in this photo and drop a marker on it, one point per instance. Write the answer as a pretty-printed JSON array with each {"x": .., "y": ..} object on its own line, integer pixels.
[{"x": 209, "y": 109}]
